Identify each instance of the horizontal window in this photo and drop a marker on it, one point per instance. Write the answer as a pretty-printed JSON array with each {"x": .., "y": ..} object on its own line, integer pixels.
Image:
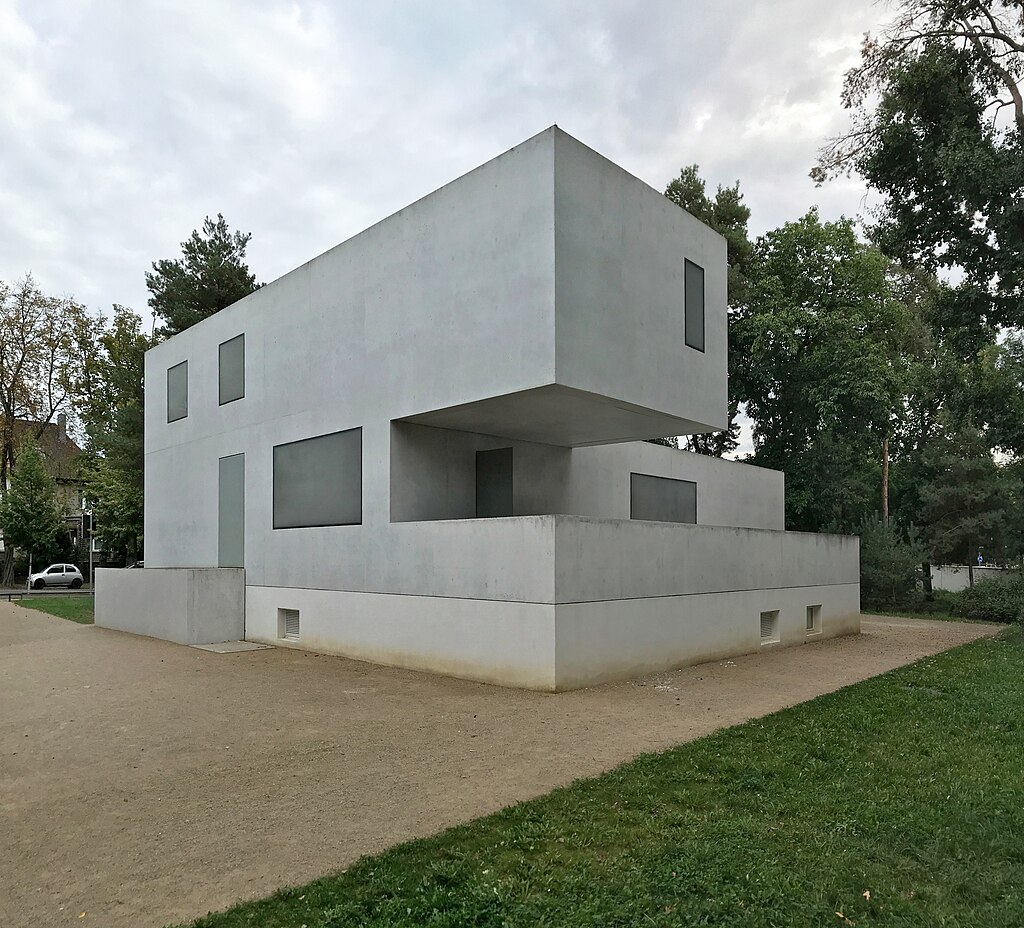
[
  {"x": 662, "y": 499},
  {"x": 319, "y": 481}
]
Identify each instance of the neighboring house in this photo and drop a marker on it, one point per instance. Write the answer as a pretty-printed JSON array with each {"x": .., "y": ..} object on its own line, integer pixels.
[
  {"x": 425, "y": 448},
  {"x": 63, "y": 458}
]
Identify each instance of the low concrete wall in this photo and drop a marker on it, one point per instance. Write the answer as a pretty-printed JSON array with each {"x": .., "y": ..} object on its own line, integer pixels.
[
  {"x": 494, "y": 641},
  {"x": 599, "y": 642},
  {"x": 560, "y": 602},
  {"x": 187, "y": 605},
  {"x": 955, "y": 577}
]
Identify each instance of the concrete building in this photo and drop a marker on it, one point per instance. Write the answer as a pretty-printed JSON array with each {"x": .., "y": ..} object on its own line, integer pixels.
[{"x": 424, "y": 448}]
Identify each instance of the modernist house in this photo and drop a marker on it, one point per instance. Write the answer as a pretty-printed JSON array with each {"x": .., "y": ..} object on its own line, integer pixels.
[{"x": 425, "y": 448}]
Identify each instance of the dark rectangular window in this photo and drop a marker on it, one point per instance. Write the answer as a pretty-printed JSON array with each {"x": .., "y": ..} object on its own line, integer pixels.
[
  {"x": 693, "y": 300},
  {"x": 319, "y": 481},
  {"x": 494, "y": 483},
  {"x": 231, "y": 512},
  {"x": 232, "y": 370},
  {"x": 662, "y": 499},
  {"x": 177, "y": 392}
]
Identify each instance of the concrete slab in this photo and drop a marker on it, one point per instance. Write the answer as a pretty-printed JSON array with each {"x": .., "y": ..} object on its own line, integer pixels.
[
  {"x": 144, "y": 783},
  {"x": 231, "y": 647}
]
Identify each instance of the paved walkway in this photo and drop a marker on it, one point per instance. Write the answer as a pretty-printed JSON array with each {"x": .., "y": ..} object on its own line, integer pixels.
[{"x": 144, "y": 783}]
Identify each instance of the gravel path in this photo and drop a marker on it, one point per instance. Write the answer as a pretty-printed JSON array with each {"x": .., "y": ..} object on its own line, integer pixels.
[{"x": 144, "y": 783}]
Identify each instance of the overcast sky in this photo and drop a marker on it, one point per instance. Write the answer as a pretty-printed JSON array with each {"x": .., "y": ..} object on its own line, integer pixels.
[{"x": 122, "y": 124}]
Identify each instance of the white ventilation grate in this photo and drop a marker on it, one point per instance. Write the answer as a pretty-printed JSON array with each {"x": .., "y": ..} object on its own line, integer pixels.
[
  {"x": 813, "y": 619},
  {"x": 769, "y": 626},
  {"x": 289, "y": 624}
]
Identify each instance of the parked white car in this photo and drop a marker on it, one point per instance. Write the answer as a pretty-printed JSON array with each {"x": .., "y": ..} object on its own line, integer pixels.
[{"x": 56, "y": 575}]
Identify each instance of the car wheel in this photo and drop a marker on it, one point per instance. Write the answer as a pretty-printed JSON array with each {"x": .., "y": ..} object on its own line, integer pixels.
[
  {"x": 76, "y": 583},
  {"x": 39, "y": 584}
]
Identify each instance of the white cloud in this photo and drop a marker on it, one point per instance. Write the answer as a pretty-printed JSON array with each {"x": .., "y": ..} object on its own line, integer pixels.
[{"x": 123, "y": 125}]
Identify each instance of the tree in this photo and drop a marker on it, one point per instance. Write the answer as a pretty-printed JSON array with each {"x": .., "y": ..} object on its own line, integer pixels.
[
  {"x": 963, "y": 506},
  {"x": 115, "y": 426},
  {"x": 210, "y": 275},
  {"x": 47, "y": 346},
  {"x": 30, "y": 514},
  {"x": 823, "y": 336},
  {"x": 889, "y": 561},
  {"x": 727, "y": 215},
  {"x": 930, "y": 131}
]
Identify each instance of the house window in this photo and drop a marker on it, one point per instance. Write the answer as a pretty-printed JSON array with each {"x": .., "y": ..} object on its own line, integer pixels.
[
  {"x": 662, "y": 499},
  {"x": 693, "y": 303},
  {"x": 813, "y": 620},
  {"x": 319, "y": 481},
  {"x": 770, "y": 627},
  {"x": 232, "y": 370},
  {"x": 177, "y": 392},
  {"x": 494, "y": 483}
]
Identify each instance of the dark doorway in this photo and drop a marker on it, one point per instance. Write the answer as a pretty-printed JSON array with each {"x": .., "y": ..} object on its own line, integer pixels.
[{"x": 494, "y": 483}]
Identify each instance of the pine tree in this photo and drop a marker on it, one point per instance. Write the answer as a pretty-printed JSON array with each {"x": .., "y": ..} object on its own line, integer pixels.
[{"x": 210, "y": 275}]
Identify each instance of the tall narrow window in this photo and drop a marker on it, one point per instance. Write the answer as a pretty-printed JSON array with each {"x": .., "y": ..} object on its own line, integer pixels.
[
  {"x": 319, "y": 481},
  {"x": 177, "y": 392},
  {"x": 494, "y": 483},
  {"x": 662, "y": 499},
  {"x": 232, "y": 369},
  {"x": 693, "y": 300}
]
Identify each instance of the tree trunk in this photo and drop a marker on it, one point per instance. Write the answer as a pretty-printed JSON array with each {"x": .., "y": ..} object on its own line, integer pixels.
[
  {"x": 7, "y": 577},
  {"x": 926, "y": 579},
  {"x": 970, "y": 573},
  {"x": 885, "y": 480}
]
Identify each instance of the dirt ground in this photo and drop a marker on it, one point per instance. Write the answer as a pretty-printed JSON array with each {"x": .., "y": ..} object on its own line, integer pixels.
[{"x": 144, "y": 783}]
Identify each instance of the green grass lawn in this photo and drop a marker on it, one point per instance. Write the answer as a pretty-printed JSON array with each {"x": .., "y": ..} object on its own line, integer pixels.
[
  {"x": 76, "y": 608},
  {"x": 897, "y": 802}
]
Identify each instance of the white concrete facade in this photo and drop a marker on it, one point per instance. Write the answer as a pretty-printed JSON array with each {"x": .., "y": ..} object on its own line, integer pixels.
[{"x": 535, "y": 305}]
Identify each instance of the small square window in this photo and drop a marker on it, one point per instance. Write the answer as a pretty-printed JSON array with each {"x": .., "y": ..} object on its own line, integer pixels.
[
  {"x": 177, "y": 392},
  {"x": 813, "y": 619},
  {"x": 693, "y": 304}
]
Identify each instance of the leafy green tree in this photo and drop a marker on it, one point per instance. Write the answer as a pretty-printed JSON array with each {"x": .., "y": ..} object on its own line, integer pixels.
[
  {"x": 963, "y": 506},
  {"x": 938, "y": 128},
  {"x": 115, "y": 424},
  {"x": 728, "y": 215},
  {"x": 30, "y": 514},
  {"x": 823, "y": 335},
  {"x": 210, "y": 275},
  {"x": 890, "y": 559},
  {"x": 47, "y": 347}
]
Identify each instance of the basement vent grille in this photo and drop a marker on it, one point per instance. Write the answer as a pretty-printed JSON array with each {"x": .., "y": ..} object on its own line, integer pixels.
[
  {"x": 770, "y": 626},
  {"x": 289, "y": 621}
]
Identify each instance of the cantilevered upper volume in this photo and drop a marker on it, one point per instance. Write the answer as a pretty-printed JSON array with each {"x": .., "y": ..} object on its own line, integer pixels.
[
  {"x": 612, "y": 304},
  {"x": 547, "y": 295}
]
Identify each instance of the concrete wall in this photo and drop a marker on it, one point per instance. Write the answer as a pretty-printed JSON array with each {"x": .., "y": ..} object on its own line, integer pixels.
[
  {"x": 619, "y": 291},
  {"x": 449, "y": 302},
  {"x": 955, "y": 578},
  {"x": 598, "y": 642},
  {"x": 185, "y": 606},
  {"x": 433, "y": 477}
]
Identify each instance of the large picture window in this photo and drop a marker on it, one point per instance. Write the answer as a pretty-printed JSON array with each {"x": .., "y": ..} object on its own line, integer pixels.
[
  {"x": 319, "y": 481},
  {"x": 662, "y": 499},
  {"x": 177, "y": 392},
  {"x": 693, "y": 299},
  {"x": 232, "y": 370}
]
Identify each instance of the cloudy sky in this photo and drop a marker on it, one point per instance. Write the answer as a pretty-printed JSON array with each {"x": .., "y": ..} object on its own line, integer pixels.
[{"x": 122, "y": 124}]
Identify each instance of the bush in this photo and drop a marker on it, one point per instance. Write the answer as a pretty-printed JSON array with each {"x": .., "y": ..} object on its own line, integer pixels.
[
  {"x": 992, "y": 600},
  {"x": 890, "y": 562}
]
